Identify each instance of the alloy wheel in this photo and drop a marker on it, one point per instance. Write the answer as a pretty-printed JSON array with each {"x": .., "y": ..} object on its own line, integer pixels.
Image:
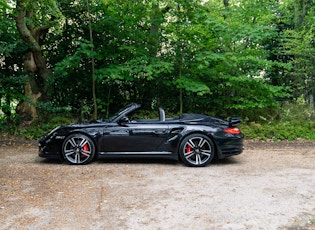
[
  {"x": 197, "y": 150},
  {"x": 78, "y": 149}
]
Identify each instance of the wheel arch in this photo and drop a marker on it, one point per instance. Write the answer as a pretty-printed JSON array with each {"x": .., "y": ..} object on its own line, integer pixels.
[
  {"x": 216, "y": 148},
  {"x": 82, "y": 133}
]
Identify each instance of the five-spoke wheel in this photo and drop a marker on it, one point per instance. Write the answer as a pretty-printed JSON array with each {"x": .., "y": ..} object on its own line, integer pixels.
[
  {"x": 78, "y": 149},
  {"x": 196, "y": 150}
]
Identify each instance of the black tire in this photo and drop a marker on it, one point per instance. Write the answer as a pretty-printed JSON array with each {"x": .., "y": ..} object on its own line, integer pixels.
[
  {"x": 78, "y": 149},
  {"x": 196, "y": 150}
]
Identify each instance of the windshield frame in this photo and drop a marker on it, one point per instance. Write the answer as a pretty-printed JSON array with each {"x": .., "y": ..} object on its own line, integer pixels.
[{"x": 123, "y": 112}]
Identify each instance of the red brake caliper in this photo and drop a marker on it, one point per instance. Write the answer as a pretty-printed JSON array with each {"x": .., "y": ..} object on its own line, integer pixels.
[
  {"x": 85, "y": 148},
  {"x": 188, "y": 149}
]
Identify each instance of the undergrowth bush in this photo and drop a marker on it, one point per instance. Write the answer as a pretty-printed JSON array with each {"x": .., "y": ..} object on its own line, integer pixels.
[
  {"x": 34, "y": 130},
  {"x": 40, "y": 127},
  {"x": 293, "y": 121}
]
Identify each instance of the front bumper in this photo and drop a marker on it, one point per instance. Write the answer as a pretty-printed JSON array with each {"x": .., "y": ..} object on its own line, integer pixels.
[{"x": 49, "y": 148}]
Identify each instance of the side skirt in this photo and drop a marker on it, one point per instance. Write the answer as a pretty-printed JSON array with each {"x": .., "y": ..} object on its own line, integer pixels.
[{"x": 122, "y": 155}]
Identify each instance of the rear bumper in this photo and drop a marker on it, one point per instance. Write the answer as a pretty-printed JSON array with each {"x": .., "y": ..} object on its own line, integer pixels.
[
  {"x": 230, "y": 147},
  {"x": 231, "y": 151}
]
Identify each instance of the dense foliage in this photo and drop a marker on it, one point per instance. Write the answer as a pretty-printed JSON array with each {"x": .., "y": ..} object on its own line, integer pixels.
[{"x": 86, "y": 59}]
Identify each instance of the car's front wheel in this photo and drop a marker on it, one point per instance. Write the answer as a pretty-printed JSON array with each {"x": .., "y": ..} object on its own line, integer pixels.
[
  {"x": 78, "y": 149},
  {"x": 196, "y": 150}
]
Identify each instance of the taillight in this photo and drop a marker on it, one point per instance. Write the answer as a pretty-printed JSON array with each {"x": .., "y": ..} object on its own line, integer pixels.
[{"x": 232, "y": 130}]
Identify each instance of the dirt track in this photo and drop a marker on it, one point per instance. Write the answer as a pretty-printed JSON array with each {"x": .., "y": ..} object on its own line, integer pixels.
[{"x": 269, "y": 186}]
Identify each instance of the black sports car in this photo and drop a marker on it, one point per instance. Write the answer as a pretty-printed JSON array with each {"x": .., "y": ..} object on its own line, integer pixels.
[{"x": 195, "y": 139}]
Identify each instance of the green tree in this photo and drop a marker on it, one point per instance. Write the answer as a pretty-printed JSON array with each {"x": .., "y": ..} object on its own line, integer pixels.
[
  {"x": 220, "y": 47},
  {"x": 201, "y": 56},
  {"x": 33, "y": 21},
  {"x": 11, "y": 50},
  {"x": 298, "y": 47}
]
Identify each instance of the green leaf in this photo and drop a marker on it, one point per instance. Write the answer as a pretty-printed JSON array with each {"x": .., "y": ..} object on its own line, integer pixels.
[{"x": 192, "y": 85}]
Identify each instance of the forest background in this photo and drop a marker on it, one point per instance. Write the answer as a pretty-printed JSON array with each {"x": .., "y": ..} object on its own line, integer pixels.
[{"x": 64, "y": 60}]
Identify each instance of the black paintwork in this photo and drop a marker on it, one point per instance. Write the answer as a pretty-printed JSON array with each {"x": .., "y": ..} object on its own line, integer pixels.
[{"x": 120, "y": 136}]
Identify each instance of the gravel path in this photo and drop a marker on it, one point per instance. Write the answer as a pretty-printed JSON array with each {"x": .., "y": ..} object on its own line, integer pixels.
[{"x": 269, "y": 186}]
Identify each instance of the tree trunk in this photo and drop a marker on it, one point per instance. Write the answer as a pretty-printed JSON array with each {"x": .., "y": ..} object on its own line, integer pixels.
[
  {"x": 92, "y": 62},
  {"x": 312, "y": 98},
  {"x": 181, "y": 102},
  {"x": 34, "y": 62},
  {"x": 300, "y": 11},
  {"x": 226, "y": 3},
  {"x": 154, "y": 39}
]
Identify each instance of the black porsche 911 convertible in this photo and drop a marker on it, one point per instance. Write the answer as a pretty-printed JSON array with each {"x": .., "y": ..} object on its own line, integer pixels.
[{"x": 194, "y": 138}]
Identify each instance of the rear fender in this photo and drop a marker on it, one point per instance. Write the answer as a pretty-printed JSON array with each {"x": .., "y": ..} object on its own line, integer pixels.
[{"x": 217, "y": 153}]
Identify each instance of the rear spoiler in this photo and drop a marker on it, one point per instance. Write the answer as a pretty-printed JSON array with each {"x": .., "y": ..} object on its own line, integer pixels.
[{"x": 234, "y": 121}]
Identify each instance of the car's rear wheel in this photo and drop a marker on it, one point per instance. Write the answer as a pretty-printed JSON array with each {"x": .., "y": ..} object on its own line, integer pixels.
[
  {"x": 196, "y": 150},
  {"x": 78, "y": 149}
]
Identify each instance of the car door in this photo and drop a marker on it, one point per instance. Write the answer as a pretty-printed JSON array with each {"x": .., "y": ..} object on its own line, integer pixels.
[
  {"x": 147, "y": 137},
  {"x": 134, "y": 137}
]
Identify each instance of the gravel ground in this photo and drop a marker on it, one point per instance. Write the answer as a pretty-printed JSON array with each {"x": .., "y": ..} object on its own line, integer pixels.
[{"x": 269, "y": 186}]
